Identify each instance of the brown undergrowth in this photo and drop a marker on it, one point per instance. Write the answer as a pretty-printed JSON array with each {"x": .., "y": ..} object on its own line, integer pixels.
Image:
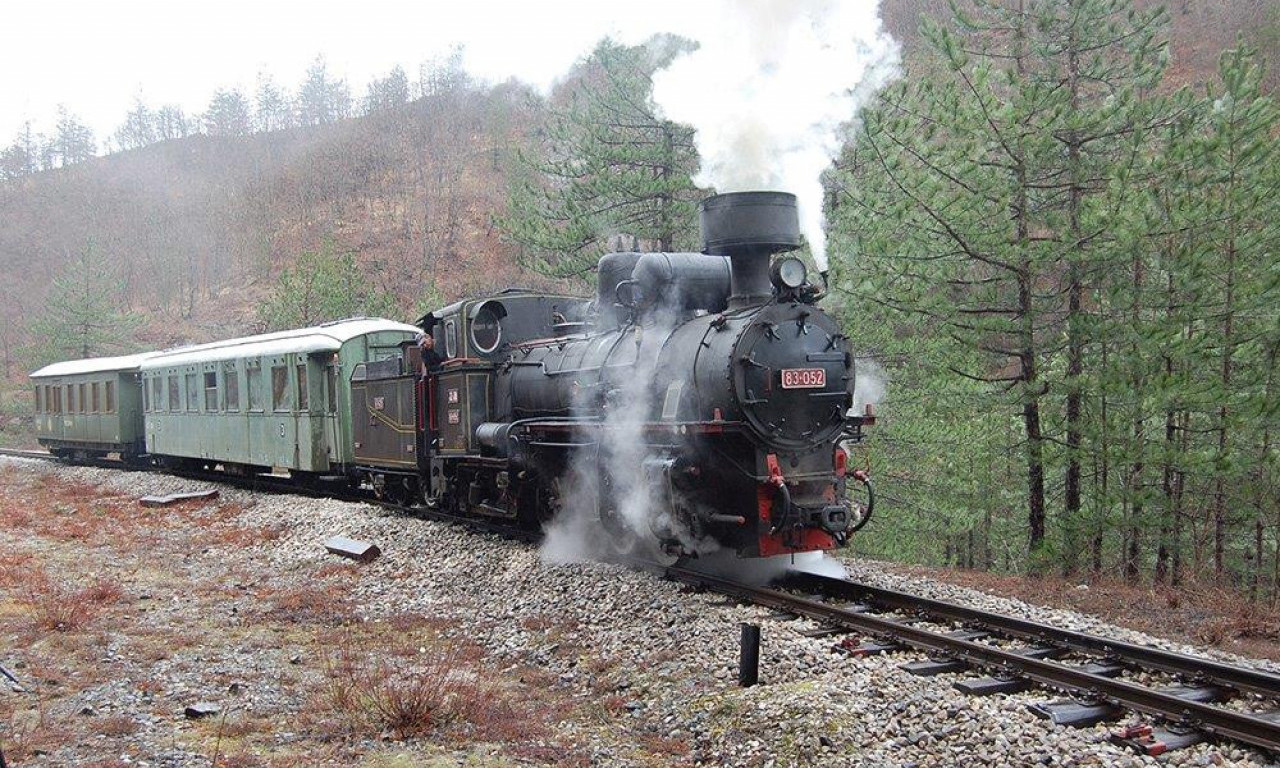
[
  {"x": 406, "y": 679},
  {"x": 175, "y": 592}
]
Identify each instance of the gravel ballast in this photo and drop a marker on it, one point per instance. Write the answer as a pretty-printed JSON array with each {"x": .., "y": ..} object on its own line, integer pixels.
[{"x": 666, "y": 656}]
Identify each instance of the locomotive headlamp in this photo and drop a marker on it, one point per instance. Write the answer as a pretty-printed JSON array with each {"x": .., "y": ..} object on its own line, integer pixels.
[{"x": 788, "y": 273}]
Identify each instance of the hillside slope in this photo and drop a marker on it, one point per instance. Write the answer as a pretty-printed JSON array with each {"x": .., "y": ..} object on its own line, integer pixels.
[{"x": 199, "y": 228}]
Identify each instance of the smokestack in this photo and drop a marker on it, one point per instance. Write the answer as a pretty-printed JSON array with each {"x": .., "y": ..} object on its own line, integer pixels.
[{"x": 749, "y": 227}]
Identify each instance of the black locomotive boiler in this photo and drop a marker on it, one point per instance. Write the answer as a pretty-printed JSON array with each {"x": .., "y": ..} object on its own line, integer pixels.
[{"x": 700, "y": 401}]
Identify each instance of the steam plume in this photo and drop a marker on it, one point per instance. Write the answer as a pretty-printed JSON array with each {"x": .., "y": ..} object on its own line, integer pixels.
[
  {"x": 770, "y": 91},
  {"x": 870, "y": 385}
]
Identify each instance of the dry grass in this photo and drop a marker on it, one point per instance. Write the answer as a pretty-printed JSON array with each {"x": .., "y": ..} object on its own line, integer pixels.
[
  {"x": 324, "y": 604},
  {"x": 89, "y": 569},
  {"x": 59, "y": 606},
  {"x": 406, "y": 693}
]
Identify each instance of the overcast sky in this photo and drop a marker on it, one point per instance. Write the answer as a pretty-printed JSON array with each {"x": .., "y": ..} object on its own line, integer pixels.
[{"x": 97, "y": 56}]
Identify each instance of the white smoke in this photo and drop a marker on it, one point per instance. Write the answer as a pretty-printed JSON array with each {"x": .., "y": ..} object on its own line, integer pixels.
[
  {"x": 762, "y": 570},
  {"x": 870, "y": 385},
  {"x": 772, "y": 89},
  {"x": 576, "y": 533}
]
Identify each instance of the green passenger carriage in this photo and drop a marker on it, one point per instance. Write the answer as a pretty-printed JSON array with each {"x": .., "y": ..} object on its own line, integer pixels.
[
  {"x": 90, "y": 408},
  {"x": 275, "y": 400}
]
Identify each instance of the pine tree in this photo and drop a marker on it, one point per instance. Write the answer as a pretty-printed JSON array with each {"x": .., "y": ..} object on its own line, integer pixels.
[
  {"x": 138, "y": 129},
  {"x": 323, "y": 98},
  {"x": 979, "y": 197},
  {"x": 324, "y": 285},
  {"x": 83, "y": 314},
  {"x": 228, "y": 114},
  {"x": 387, "y": 92},
  {"x": 72, "y": 141},
  {"x": 273, "y": 111},
  {"x": 610, "y": 167}
]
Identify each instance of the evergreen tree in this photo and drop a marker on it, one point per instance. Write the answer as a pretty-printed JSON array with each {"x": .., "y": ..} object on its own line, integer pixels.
[
  {"x": 1236, "y": 210},
  {"x": 83, "y": 315},
  {"x": 609, "y": 167},
  {"x": 387, "y": 92},
  {"x": 978, "y": 196},
  {"x": 171, "y": 123},
  {"x": 228, "y": 114},
  {"x": 324, "y": 285},
  {"x": 138, "y": 129},
  {"x": 72, "y": 141},
  {"x": 273, "y": 109},
  {"x": 323, "y": 98},
  {"x": 22, "y": 157}
]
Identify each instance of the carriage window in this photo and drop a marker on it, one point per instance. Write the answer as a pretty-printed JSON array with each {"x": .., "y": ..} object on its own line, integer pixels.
[
  {"x": 175, "y": 402},
  {"x": 71, "y": 398},
  {"x": 190, "y": 381},
  {"x": 280, "y": 399},
  {"x": 304, "y": 400},
  {"x": 97, "y": 403},
  {"x": 253, "y": 379},
  {"x": 111, "y": 396},
  {"x": 231, "y": 387},
  {"x": 83, "y": 398},
  {"x": 210, "y": 391},
  {"x": 331, "y": 388},
  {"x": 39, "y": 398},
  {"x": 146, "y": 395},
  {"x": 156, "y": 385},
  {"x": 450, "y": 339}
]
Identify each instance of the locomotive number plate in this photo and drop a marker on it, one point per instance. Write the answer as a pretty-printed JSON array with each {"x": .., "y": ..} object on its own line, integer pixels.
[{"x": 804, "y": 378}]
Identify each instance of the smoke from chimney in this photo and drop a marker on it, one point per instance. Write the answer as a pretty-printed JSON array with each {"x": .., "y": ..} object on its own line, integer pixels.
[{"x": 771, "y": 91}]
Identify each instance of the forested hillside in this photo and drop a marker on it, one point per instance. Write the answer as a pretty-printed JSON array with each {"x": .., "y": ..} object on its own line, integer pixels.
[
  {"x": 197, "y": 229},
  {"x": 1054, "y": 239}
]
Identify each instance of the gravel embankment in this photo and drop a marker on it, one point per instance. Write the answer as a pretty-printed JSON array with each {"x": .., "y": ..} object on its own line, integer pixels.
[{"x": 671, "y": 655}]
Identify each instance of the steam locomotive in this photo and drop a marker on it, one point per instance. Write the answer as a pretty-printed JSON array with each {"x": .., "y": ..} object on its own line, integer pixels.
[{"x": 699, "y": 402}]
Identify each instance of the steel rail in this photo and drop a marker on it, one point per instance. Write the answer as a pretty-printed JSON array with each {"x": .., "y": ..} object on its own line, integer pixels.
[
  {"x": 24, "y": 453},
  {"x": 1247, "y": 728},
  {"x": 1193, "y": 667}
]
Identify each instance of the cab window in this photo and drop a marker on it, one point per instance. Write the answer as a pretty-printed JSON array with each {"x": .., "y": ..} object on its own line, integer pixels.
[{"x": 450, "y": 339}]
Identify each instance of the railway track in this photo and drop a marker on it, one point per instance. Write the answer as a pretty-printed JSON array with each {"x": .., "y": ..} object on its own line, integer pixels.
[
  {"x": 1091, "y": 669},
  {"x": 1017, "y": 653},
  {"x": 23, "y": 453}
]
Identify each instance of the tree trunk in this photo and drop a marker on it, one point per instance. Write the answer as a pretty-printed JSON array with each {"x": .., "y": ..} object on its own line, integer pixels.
[{"x": 1075, "y": 340}]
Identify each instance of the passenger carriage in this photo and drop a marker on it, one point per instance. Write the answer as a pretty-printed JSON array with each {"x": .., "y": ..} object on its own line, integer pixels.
[
  {"x": 90, "y": 408},
  {"x": 277, "y": 400}
]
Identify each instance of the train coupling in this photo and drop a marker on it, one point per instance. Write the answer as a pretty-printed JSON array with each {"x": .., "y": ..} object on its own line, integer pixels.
[{"x": 832, "y": 518}]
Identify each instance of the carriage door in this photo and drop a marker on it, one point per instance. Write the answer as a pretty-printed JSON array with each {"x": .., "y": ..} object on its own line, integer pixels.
[
  {"x": 333, "y": 434},
  {"x": 284, "y": 416}
]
